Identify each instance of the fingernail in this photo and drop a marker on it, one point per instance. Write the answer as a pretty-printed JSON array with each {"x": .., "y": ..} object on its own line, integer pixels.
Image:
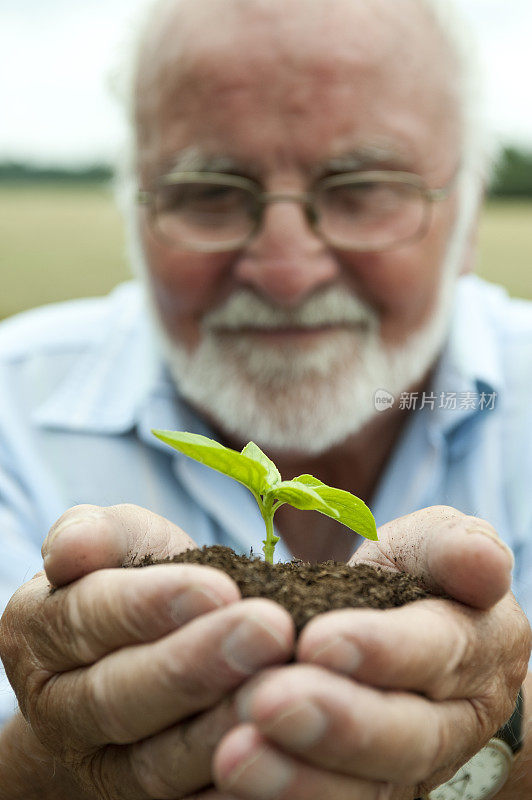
[
  {"x": 497, "y": 540},
  {"x": 261, "y": 776},
  {"x": 192, "y": 602},
  {"x": 69, "y": 525},
  {"x": 300, "y": 725},
  {"x": 338, "y": 654},
  {"x": 252, "y": 644}
]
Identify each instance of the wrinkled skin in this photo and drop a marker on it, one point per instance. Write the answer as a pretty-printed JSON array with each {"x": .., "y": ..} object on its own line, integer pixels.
[
  {"x": 162, "y": 682},
  {"x": 124, "y": 677}
]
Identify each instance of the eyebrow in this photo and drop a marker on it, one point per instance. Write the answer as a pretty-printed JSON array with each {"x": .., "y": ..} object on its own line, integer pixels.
[
  {"x": 192, "y": 159},
  {"x": 363, "y": 158}
]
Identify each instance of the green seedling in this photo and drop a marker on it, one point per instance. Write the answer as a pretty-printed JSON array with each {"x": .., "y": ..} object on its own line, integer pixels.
[{"x": 259, "y": 474}]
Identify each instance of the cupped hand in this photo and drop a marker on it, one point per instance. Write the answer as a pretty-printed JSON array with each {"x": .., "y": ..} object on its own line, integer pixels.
[
  {"x": 126, "y": 676},
  {"x": 388, "y": 704}
]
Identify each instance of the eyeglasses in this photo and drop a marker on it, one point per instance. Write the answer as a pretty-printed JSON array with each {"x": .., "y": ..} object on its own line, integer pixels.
[{"x": 362, "y": 211}]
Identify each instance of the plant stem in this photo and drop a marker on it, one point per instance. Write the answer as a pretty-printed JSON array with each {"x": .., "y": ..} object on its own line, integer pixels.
[{"x": 271, "y": 539}]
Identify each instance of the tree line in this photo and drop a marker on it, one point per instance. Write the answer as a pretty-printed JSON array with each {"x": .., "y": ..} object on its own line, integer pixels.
[{"x": 512, "y": 176}]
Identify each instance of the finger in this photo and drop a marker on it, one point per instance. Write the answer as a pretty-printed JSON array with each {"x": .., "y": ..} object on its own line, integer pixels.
[
  {"x": 107, "y": 610},
  {"x": 338, "y": 725},
  {"x": 248, "y": 766},
  {"x": 438, "y": 648},
  {"x": 451, "y": 553},
  {"x": 87, "y": 538},
  {"x": 174, "y": 763},
  {"x": 138, "y": 691}
]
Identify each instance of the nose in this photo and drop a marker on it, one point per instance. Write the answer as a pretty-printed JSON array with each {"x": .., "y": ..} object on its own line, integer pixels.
[{"x": 286, "y": 260}]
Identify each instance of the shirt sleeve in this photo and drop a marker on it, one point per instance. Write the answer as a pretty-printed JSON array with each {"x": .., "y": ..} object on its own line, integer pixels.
[
  {"x": 519, "y": 494},
  {"x": 20, "y": 557}
]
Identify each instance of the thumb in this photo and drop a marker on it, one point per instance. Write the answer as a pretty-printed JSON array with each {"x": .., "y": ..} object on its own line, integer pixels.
[
  {"x": 87, "y": 538},
  {"x": 449, "y": 552}
]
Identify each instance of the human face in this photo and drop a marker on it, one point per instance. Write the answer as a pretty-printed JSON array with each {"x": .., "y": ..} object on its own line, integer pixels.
[{"x": 262, "y": 96}]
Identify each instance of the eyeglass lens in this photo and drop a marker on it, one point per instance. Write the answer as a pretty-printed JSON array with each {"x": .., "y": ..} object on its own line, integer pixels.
[{"x": 372, "y": 214}]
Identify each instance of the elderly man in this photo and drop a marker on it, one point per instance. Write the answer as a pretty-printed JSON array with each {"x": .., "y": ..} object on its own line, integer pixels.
[{"x": 308, "y": 179}]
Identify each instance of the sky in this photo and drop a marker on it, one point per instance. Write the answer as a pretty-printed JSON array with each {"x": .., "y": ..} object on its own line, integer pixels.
[{"x": 57, "y": 56}]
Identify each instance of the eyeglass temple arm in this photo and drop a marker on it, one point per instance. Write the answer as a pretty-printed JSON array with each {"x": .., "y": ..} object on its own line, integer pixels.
[{"x": 440, "y": 194}]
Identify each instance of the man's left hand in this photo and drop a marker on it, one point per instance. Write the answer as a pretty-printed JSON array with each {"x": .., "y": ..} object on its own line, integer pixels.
[{"x": 388, "y": 704}]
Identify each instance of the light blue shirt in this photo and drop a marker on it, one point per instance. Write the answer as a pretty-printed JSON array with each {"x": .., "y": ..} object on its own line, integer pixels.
[{"x": 81, "y": 387}]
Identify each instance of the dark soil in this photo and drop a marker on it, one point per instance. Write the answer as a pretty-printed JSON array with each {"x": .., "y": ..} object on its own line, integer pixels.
[{"x": 307, "y": 589}]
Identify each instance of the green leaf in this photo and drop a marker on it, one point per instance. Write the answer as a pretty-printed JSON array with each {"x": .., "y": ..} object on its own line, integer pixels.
[
  {"x": 309, "y": 480},
  {"x": 350, "y": 510},
  {"x": 251, "y": 450},
  {"x": 300, "y": 496},
  {"x": 230, "y": 462}
]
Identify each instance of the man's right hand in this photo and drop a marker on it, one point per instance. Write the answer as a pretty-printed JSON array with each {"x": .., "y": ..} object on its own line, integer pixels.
[{"x": 126, "y": 676}]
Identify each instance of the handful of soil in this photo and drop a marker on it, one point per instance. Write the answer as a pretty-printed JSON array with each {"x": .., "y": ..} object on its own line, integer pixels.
[{"x": 306, "y": 590}]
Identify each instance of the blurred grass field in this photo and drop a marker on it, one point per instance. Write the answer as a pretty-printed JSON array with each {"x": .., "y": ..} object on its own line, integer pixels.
[{"x": 58, "y": 242}]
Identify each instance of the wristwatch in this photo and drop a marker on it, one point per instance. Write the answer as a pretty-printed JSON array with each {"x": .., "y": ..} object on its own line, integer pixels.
[{"x": 485, "y": 774}]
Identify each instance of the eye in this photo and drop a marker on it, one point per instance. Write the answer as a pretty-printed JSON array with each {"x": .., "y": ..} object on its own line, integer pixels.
[
  {"x": 201, "y": 197},
  {"x": 364, "y": 194}
]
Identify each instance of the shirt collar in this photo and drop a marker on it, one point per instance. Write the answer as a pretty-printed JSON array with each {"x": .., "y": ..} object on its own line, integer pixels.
[
  {"x": 468, "y": 378},
  {"x": 472, "y": 351},
  {"x": 112, "y": 378}
]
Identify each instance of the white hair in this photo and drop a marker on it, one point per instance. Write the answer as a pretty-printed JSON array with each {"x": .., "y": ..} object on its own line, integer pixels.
[
  {"x": 478, "y": 148},
  {"x": 199, "y": 377}
]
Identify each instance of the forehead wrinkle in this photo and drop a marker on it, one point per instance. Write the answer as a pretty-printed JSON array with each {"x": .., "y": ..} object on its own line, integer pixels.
[
  {"x": 187, "y": 55},
  {"x": 182, "y": 34},
  {"x": 183, "y": 30}
]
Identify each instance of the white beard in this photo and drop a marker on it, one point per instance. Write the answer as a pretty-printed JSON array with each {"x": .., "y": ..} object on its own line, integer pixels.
[
  {"x": 296, "y": 398},
  {"x": 304, "y": 399}
]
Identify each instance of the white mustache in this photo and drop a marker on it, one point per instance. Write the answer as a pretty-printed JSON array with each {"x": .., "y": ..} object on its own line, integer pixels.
[{"x": 332, "y": 306}]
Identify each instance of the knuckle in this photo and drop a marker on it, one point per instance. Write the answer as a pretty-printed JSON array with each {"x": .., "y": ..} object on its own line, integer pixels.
[
  {"x": 41, "y": 711},
  {"x": 488, "y": 714},
  {"x": 55, "y": 717},
  {"x": 118, "y": 606},
  {"x": 62, "y": 620},
  {"x": 71, "y": 619},
  {"x": 461, "y": 654},
  {"x": 102, "y": 707}
]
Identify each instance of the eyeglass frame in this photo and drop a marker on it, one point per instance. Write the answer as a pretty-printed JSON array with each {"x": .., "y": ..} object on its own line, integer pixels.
[{"x": 307, "y": 199}]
